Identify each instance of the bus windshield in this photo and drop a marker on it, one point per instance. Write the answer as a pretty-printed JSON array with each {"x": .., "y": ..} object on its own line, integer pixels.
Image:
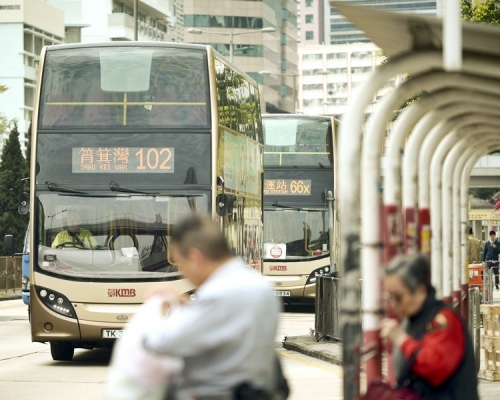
[
  {"x": 110, "y": 236},
  {"x": 303, "y": 232},
  {"x": 297, "y": 142},
  {"x": 128, "y": 87}
]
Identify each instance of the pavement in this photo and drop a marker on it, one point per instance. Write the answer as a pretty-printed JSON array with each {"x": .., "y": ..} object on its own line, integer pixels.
[{"x": 11, "y": 294}]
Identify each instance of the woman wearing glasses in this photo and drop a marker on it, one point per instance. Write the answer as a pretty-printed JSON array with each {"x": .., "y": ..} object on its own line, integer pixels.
[{"x": 433, "y": 350}]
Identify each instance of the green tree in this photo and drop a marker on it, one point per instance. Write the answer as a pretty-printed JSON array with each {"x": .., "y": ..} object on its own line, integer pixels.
[
  {"x": 12, "y": 170},
  {"x": 482, "y": 11}
]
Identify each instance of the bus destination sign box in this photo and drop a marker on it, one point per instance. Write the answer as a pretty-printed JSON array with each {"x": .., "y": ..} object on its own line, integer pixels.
[
  {"x": 91, "y": 160},
  {"x": 287, "y": 187}
]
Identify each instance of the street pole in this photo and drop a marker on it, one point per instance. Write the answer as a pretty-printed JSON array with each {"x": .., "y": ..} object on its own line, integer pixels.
[
  {"x": 231, "y": 50},
  {"x": 136, "y": 19}
]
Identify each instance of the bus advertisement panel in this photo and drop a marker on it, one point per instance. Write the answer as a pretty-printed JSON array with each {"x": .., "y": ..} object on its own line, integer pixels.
[
  {"x": 129, "y": 139},
  {"x": 298, "y": 174}
]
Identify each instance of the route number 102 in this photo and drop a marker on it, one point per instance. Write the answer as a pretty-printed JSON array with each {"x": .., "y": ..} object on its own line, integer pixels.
[{"x": 155, "y": 159}]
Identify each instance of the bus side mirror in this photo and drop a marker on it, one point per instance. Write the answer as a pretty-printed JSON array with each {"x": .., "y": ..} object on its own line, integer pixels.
[
  {"x": 221, "y": 204},
  {"x": 24, "y": 204},
  {"x": 8, "y": 244}
]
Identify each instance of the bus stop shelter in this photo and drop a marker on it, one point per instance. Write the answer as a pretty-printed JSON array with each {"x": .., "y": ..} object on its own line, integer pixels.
[{"x": 420, "y": 202}]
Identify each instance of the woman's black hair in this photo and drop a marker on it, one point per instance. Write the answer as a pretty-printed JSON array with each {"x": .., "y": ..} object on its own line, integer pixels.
[{"x": 414, "y": 270}]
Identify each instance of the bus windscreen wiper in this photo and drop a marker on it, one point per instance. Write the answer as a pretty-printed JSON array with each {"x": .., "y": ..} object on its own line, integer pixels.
[
  {"x": 275, "y": 204},
  {"x": 117, "y": 188},
  {"x": 54, "y": 188}
]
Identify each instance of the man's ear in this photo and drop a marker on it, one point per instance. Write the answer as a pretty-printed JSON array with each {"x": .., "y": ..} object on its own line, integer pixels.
[{"x": 196, "y": 256}]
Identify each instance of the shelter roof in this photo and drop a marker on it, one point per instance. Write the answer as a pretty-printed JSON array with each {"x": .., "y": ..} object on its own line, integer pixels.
[{"x": 398, "y": 33}]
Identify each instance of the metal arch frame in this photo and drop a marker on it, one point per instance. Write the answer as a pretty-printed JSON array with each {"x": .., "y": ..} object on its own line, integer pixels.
[
  {"x": 371, "y": 223},
  {"x": 439, "y": 143},
  {"x": 349, "y": 207},
  {"x": 443, "y": 240},
  {"x": 454, "y": 164},
  {"x": 412, "y": 34}
]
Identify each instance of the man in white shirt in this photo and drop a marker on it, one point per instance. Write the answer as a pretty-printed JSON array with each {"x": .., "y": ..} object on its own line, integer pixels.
[{"x": 227, "y": 335}]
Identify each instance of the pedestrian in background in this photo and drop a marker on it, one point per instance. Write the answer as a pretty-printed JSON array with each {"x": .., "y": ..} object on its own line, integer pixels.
[
  {"x": 226, "y": 336},
  {"x": 473, "y": 248},
  {"x": 434, "y": 355},
  {"x": 490, "y": 255}
]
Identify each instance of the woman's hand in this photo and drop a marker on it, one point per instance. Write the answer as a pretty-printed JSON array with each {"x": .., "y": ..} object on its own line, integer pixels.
[{"x": 390, "y": 329}]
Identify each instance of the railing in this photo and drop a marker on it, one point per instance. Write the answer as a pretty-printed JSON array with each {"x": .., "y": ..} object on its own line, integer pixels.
[{"x": 10, "y": 275}]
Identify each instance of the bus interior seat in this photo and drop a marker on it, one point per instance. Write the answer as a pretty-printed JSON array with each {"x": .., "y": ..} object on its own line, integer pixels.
[
  {"x": 197, "y": 115},
  {"x": 59, "y": 115},
  {"x": 162, "y": 114},
  {"x": 99, "y": 114}
]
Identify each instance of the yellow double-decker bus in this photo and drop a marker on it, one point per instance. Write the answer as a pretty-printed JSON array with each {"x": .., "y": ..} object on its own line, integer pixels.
[
  {"x": 128, "y": 138},
  {"x": 299, "y": 173}
]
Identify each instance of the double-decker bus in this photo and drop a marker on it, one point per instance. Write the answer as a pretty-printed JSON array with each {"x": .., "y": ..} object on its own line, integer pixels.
[
  {"x": 299, "y": 169},
  {"x": 132, "y": 137}
]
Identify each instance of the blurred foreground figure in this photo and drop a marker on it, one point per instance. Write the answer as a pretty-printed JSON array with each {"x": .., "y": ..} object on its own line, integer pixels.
[
  {"x": 434, "y": 354},
  {"x": 226, "y": 335}
]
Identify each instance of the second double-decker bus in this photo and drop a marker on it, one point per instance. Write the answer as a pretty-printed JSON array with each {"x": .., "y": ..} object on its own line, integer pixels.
[
  {"x": 128, "y": 138},
  {"x": 299, "y": 171}
]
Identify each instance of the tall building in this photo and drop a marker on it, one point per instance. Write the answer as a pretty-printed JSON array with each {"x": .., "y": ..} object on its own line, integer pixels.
[
  {"x": 236, "y": 25},
  {"x": 106, "y": 20},
  {"x": 330, "y": 74},
  {"x": 314, "y": 21},
  {"x": 25, "y": 27},
  {"x": 341, "y": 31}
]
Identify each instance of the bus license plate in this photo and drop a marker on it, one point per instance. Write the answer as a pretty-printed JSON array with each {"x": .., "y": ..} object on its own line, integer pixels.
[
  {"x": 112, "y": 333},
  {"x": 282, "y": 293}
]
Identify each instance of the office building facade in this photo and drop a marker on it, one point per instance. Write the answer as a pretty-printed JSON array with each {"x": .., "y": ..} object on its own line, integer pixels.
[
  {"x": 25, "y": 27},
  {"x": 330, "y": 74},
  {"x": 254, "y": 51}
]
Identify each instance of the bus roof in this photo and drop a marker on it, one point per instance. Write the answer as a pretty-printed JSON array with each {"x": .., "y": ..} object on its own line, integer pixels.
[
  {"x": 127, "y": 44},
  {"x": 301, "y": 116}
]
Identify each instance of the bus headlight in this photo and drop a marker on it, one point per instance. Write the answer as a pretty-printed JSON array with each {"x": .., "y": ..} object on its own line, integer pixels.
[
  {"x": 317, "y": 272},
  {"x": 25, "y": 284},
  {"x": 56, "y": 302}
]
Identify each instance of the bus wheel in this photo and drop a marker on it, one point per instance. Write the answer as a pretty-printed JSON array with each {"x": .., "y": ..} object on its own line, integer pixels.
[{"x": 61, "y": 351}]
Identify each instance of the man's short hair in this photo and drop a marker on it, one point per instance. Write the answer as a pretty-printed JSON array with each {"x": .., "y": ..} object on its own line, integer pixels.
[
  {"x": 470, "y": 230},
  {"x": 493, "y": 233},
  {"x": 200, "y": 232}
]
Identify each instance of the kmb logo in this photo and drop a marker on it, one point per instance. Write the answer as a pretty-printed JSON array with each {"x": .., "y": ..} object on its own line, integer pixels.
[
  {"x": 121, "y": 292},
  {"x": 277, "y": 267}
]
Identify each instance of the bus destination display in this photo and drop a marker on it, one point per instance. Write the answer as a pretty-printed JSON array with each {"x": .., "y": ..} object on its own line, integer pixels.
[
  {"x": 287, "y": 187},
  {"x": 90, "y": 160}
]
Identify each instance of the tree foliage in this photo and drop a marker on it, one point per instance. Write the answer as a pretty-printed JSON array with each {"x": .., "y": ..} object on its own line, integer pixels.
[
  {"x": 12, "y": 170},
  {"x": 482, "y": 11}
]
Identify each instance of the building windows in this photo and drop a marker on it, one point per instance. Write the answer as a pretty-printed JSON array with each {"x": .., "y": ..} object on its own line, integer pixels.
[
  {"x": 283, "y": 65},
  {"x": 315, "y": 86},
  {"x": 309, "y": 35},
  {"x": 221, "y": 21},
  {"x": 312, "y": 102},
  {"x": 283, "y": 90},
  {"x": 331, "y": 56},
  {"x": 312, "y": 57},
  {"x": 283, "y": 38},
  {"x": 309, "y": 3},
  {"x": 309, "y": 19},
  {"x": 284, "y": 14},
  {"x": 362, "y": 55},
  {"x": 245, "y": 50},
  {"x": 361, "y": 70}
]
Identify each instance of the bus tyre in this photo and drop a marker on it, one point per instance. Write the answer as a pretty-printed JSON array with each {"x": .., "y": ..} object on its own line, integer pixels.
[{"x": 61, "y": 351}]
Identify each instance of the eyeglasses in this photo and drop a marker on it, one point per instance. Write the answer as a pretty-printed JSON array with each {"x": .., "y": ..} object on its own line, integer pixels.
[{"x": 393, "y": 297}]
